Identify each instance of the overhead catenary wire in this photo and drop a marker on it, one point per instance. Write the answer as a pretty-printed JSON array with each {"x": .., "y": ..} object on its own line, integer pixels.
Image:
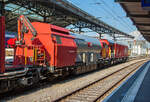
[
  {"x": 96, "y": 3},
  {"x": 112, "y": 13},
  {"x": 115, "y": 13}
]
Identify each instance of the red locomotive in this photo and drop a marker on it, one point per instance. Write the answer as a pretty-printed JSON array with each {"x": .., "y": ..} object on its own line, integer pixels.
[{"x": 43, "y": 50}]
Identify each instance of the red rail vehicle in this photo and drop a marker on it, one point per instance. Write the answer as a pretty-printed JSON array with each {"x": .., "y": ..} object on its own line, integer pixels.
[
  {"x": 43, "y": 50},
  {"x": 113, "y": 52},
  {"x": 121, "y": 52}
]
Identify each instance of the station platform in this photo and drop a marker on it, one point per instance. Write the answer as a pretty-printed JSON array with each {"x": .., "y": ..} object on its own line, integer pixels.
[
  {"x": 143, "y": 94},
  {"x": 135, "y": 89}
]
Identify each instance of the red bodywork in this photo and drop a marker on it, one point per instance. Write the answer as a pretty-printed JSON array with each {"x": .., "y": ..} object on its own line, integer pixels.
[
  {"x": 105, "y": 45},
  {"x": 119, "y": 50},
  {"x": 2, "y": 44},
  {"x": 54, "y": 42},
  {"x": 11, "y": 42}
]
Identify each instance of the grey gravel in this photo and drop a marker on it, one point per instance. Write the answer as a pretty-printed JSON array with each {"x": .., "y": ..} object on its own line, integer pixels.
[{"x": 54, "y": 91}]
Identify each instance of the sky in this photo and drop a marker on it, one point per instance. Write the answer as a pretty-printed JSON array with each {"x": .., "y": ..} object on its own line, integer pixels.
[{"x": 108, "y": 11}]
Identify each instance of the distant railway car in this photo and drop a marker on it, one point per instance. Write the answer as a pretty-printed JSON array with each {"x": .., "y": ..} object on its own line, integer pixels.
[
  {"x": 121, "y": 52},
  {"x": 88, "y": 52},
  {"x": 115, "y": 52}
]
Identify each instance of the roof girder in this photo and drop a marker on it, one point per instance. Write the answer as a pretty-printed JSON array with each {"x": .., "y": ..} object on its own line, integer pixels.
[{"x": 51, "y": 8}]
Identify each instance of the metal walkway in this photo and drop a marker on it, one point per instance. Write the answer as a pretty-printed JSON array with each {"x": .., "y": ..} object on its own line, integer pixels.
[{"x": 135, "y": 88}]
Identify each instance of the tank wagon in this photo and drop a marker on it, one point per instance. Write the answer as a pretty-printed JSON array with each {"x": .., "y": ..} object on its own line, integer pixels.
[{"x": 43, "y": 50}]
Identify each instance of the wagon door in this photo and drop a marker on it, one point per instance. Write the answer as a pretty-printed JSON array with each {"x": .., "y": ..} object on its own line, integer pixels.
[{"x": 64, "y": 51}]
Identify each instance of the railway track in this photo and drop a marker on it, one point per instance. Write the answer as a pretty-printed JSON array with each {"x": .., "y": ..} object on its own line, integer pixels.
[
  {"x": 101, "y": 87},
  {"x": 42, "y": 92}
]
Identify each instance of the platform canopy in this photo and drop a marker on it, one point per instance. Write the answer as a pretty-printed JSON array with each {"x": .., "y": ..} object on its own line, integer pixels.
[
  {"x": 138, "y": 14},
  {"x": 57, "y": 12}
]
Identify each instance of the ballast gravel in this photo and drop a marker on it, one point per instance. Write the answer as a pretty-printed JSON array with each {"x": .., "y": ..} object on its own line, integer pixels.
[{"x": 53, "y": 91}]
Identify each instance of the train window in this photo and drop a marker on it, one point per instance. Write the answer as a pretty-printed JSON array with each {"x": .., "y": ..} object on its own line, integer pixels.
[
  {"x": 83, "y": 57},
  {"x": 105, "y": 45},
  {"x": 58, "y": 40},
  {"x": 80, "y": 41},
  {"x": 91, "y": 57}
]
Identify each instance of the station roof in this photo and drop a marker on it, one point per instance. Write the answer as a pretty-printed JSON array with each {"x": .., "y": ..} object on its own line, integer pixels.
[
  {"x": 58, "y": 12},
  {"x": 139, "y": 16}
]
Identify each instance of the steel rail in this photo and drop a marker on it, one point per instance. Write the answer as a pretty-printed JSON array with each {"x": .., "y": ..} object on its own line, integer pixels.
[{"x": 66, "y": 97}]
